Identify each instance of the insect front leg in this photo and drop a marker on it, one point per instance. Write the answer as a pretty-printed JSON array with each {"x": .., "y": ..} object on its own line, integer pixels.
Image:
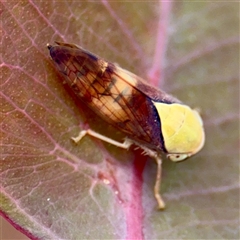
[
  {"x": 155, "y": 155},
  {"x": 126, "y": 144},
  {"x": 157, "y": 185}
]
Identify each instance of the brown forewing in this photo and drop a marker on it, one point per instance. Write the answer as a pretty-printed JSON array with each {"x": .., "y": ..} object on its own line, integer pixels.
[{"x": 118, "y": 96}]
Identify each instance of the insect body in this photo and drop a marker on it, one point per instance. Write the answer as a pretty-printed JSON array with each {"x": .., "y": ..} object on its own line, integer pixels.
[{"x": 149, "y": 117}]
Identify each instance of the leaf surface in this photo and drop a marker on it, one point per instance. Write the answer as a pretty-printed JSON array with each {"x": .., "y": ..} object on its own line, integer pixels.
[{"x": 52, "y": 188}]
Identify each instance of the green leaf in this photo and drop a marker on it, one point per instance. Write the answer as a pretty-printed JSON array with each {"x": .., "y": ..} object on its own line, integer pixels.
[{"x": 52, "y": 188}]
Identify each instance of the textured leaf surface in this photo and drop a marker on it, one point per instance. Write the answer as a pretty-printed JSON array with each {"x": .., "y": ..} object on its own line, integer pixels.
[{"x": 54, "y": 189}]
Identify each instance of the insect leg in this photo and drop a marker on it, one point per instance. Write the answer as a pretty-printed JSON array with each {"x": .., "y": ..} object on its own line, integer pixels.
[
  {"x": 126, "y": 144},
  {"x": 157, "y": 185}
]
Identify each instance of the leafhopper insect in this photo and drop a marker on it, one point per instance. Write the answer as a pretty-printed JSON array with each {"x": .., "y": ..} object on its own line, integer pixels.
[{"x": 150, "y": 118}]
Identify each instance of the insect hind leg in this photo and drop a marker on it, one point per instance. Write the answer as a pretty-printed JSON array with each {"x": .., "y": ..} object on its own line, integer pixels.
[{"x": 126, "y": 144}]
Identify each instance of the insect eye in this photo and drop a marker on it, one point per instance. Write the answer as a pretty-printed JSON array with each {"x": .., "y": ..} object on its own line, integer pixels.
[{"x": 175, "y": 157}]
